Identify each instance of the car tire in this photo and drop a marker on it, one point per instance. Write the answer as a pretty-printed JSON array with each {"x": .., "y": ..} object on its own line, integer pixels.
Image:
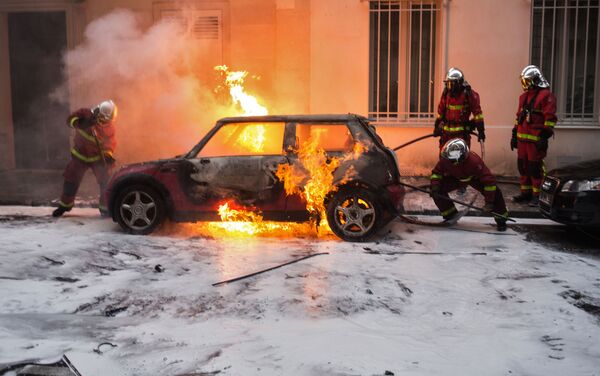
[
  {"x": 139, "y": 209},
  {"x": 355, "y": 214}
]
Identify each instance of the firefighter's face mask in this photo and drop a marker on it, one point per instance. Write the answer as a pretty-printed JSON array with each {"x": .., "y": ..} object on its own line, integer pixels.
[
  {"x": 526, "y": 83},
  {"x": 453, "y": 86}
]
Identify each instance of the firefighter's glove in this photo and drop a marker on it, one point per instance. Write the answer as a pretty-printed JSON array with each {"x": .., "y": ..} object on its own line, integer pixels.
[
  {"x": 541, "y": 144},
  {"x": 434, "y": 190},
  {"x": 480, "y": 132},
  {"x": 488, "y": 208},
  {"x": 513, "y": 140},
  {"x": 437, "y": 128},
  {"x": 480, "y": 135}
]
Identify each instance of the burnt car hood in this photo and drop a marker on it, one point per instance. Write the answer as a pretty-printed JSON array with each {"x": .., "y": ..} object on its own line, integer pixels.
[
  {"x": 582, "y": 170},
  {"x": 156, "y": 162},
  {"x": 147, "y": 167}
]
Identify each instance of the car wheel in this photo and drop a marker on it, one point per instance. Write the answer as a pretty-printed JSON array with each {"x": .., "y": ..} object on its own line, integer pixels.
[
  {"x": 139, "y": 209},
  {"x": 355, "y": 214}
]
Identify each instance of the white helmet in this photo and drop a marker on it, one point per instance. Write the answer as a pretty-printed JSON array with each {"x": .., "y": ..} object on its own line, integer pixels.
[
  {"x": 532, "y": 76},
  {"x": 106, "y": 111},
  {"x": 455, "y": 150}
]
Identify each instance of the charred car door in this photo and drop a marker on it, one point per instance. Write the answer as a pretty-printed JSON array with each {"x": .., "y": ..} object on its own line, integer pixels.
[{"x": 238, "y": 164}]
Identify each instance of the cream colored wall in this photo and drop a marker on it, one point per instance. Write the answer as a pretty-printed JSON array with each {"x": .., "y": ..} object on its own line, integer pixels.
[
  {"x": 339, "y": 56},
  {"x": 489, "y": 41}
]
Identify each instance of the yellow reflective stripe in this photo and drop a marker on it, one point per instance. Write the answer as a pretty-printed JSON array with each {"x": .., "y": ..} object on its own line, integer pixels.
[
  {"x": 72, "y": 122},
  {"x": 468, "y": 178},
  {"x": 83, "y": 157},
  {"x": 549, "y": 123},
  {"x": 489, "y": 188},
  {"x": 502, "y": 215},
  {"x": 526, "y": 187},
  {"x": 65, "y": 205},
  {"x": 455, "y": 106},
  {"x": 536, "y": 189},
  {"x": 478, "y": 117},
  {"x": 446, "y": 212},
  {"x": 526, "y": 136},
  {"x": 435, "y": 177},
  {"x": 87, "y": 136},
  {"x": 453, "y": 129}
]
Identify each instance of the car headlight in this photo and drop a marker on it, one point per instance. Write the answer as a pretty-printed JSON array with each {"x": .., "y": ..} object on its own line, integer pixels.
[{"x": 581, "y": 185}]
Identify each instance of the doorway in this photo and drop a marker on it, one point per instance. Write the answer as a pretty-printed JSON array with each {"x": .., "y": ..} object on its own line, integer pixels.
[{"x": 36, "y": 42}]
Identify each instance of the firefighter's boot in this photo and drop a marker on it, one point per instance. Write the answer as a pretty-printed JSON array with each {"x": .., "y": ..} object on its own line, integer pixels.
[
  {"x": 58, "y": 212},
  {"x": 534, "y": 202},
  {"x": 522, "y": 198},
  {"x": 501, "y": 224}
]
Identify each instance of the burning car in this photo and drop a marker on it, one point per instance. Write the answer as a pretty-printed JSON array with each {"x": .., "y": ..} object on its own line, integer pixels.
[{"x": 286, "y": 168}]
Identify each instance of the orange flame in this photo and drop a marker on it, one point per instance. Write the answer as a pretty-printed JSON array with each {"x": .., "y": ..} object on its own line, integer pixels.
[
  {"x": 235, "y": 81},
  {"x": 237, "y": 223},
  {"x": 252, "y": 137},
  {"x": 311, "y": 177}
]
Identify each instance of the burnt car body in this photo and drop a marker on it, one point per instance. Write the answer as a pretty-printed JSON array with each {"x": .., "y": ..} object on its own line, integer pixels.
[
  {"x": 191, "y": 187},
  {"x": 571, "y": 194}
]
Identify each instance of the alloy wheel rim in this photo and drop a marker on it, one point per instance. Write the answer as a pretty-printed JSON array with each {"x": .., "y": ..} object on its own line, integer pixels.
[
  {"x": 355, "y": 216},
  {"x": 138, "y": 210}
]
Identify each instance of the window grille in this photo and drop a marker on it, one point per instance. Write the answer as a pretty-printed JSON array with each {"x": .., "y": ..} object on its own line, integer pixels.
[
  {"x": 402, "y": 59},
  {"x": 565, "y": 45},
  {"x": 200, "y": 24}
]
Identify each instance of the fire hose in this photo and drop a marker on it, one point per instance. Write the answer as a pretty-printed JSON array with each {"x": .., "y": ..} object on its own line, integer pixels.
[
  {"x": 413, "y": 141},
  {"x": 432, "y": 135},
  {"x": 457, "y": 201}
]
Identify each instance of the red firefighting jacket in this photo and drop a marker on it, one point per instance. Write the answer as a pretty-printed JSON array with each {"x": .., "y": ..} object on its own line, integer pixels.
[
  {"x": 540, "y": 104},
  {"x": 470, "y": 171},
  {"x": 89, "y": 141},
  {"x": 456, "y": 111}
]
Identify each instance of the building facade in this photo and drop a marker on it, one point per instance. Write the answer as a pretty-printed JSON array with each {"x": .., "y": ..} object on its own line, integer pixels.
[{"x": 381, "y": 58}]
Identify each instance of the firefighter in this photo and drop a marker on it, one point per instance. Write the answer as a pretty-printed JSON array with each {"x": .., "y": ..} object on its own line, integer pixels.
[
  {"x": 93, "y": 147},
  {"x": 457, "y": 168},
  {"x": 534, "y": 125},
  {"x": 456, "y": 105}
]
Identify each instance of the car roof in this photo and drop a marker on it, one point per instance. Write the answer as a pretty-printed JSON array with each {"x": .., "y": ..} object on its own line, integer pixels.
[{"x": 293, "y": 118}]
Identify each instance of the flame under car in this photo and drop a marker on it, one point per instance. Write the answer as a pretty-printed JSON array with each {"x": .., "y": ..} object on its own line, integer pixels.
[{"x": 240, "y": 162}]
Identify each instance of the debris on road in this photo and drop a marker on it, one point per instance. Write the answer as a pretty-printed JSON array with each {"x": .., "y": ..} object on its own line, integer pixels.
[{"x": 269, "y": 269}]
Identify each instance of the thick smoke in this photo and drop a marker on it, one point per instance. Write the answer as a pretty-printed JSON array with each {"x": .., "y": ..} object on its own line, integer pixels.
[{"x": 157, "y": 79}]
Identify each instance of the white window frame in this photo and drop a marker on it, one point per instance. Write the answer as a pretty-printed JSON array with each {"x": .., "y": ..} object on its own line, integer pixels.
[
  {"x": 558, "y": 70},
  {"x": 406, "y": 8}
]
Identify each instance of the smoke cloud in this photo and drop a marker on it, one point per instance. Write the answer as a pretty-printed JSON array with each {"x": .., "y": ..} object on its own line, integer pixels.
[{"x": 155, "y": 76}]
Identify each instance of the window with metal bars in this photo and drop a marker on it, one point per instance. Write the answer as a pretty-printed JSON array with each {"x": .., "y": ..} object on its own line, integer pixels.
[
  {"x": 402, "y": 58},
  {"x": 565, "y": 44}
]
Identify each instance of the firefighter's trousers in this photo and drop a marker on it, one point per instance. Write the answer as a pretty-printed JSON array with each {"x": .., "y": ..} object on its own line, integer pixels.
[
  {"x": 449, "y": 184},
  {"x": 530, "y": 162},
  {"x": 74, "y": 174}
]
